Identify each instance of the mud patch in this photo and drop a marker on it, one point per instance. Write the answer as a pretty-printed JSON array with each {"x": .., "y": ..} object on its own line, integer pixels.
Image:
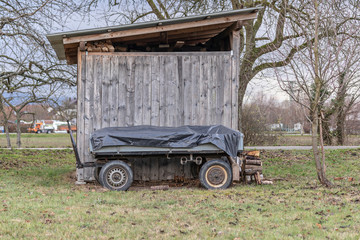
[{"x": 136, "y": 185}]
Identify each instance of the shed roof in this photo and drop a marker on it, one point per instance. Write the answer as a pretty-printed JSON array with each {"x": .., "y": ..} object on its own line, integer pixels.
[{"x": 193, "y": 29}]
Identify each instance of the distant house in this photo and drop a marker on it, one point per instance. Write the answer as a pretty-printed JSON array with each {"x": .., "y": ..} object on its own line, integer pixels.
[
  {"x": 298, "y": 127},
  {"x": 30, "y": 113},
  {"x": 67, "y": 111},
  {"x": 276, "y": 127}
]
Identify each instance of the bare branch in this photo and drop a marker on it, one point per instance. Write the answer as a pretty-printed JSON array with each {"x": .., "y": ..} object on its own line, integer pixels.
[{"x": 155, "y": 10}]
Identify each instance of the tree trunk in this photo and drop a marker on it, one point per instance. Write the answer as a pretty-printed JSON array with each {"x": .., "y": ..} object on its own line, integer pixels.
[
  {"x": 245, "y": 76},
  {"x": 6, "y": 128},
  {"x": 340, "y": 109},
  {"x": 316, "y": 103},
  {"x": 326, "y": 133},
  {"x": 6, "y": 121},
  {"x": 340, "y": 126},
  {"x": 319, "y": 156},
  {"x": 241, "y": 95},
  {"x": 340, "y": 130},
  {"x": 18, "y": 131},
  {"x": 321, "y": 137}
]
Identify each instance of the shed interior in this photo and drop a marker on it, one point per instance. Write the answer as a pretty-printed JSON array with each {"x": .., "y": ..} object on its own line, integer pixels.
[{"x": 186, "y": 40}]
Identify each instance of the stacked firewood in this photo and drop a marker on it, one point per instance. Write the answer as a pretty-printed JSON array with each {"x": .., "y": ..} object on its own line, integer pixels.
[
  {"x": 100, "y": 46},
  {"x": 252, "y": 167}
]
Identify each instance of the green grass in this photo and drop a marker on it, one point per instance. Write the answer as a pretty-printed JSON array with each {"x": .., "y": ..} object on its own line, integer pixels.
[
  {"x": 305, "y": 140},
  {"x": 38, "y": 200},
  {"x": 33, "y": 140}
]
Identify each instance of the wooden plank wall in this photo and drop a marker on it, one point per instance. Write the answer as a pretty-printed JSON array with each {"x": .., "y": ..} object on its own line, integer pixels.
[{"x": 162, "y": 89}]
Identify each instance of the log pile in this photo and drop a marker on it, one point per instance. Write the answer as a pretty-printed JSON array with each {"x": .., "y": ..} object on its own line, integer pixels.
[
  {"x": 100, "y": 46},
  {"x": 252, "y": 167}
]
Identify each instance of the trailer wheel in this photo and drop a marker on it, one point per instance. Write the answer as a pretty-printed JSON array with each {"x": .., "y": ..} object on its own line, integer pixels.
[
  {"x": 116, "y": 175},
  {"x": 215, "y": 174}
]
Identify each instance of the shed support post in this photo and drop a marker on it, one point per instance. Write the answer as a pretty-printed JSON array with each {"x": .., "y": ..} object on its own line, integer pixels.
[
  {"x": 235, "y": 169},
  {"x": 79, "y": 117},
  {"x": 235, "y": 46},
  {"x": 80, "y": 176}
]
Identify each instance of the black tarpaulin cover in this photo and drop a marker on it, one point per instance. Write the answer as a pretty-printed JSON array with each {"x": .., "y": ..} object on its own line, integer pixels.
[{"x": 224, "y": 138}]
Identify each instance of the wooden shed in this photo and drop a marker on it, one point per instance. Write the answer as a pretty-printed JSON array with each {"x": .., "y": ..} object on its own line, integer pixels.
[{"x": 174, "y": 72}]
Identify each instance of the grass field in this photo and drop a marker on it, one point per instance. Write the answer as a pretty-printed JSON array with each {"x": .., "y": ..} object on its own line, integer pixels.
[
  {"x": 305, "y": 140},
  {"x": 63, "y": 140},
  {"x": 33, "y": 140},
  {"x": 40, "y": 201}
]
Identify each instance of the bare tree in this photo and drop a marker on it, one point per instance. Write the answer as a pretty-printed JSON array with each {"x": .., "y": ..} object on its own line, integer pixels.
[
  {"x": 21, "y": 96},
  {"x": 315, "y": 102},
  {"x": 311, "y": 78},
  {"x": 65, "y": 110},
  {"x": 348, "y": 86},
  {"x": 318, "y": 68},
  {"x": 257, "y": 114},
  {"x": 6, "y": 116},
  {"x": 29, "y": 69}
]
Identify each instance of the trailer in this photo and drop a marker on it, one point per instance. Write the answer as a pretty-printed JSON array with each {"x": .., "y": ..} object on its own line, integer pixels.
[{"x": 212, "y": 152}]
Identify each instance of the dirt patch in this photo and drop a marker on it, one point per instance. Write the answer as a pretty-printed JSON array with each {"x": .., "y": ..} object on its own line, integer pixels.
[
  {"x": 173, "y": 184},
  {"x": 70, "y": 177},
  {"x": 136, "y": 185},
  {"x": 88, "y": 187}
]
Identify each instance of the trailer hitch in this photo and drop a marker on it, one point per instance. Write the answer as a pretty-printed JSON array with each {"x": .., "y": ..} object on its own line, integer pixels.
[
  {"x": 198, "y": 160},
  {"x": 78, "y": 162}
]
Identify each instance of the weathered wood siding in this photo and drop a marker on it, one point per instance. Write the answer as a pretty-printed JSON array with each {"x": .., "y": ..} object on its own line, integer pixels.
[{"x": 162, "y": 89}]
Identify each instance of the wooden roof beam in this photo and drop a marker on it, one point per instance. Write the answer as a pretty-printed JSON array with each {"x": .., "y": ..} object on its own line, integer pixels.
[
  {"x": 197, "y": 41},
  {"x": 177, "y": 37},
  {"x": 235, "y": 26},
  {"x": 226, "y": 33},
  {"x": 163, "y": 38},
  {"x": 171, "y": 34},
  {"x": 133, "y": 32},
  {"x": 203, "y": 29},
  {"x": 196, "y": 34},
  {"x": 185, "y": 40}
]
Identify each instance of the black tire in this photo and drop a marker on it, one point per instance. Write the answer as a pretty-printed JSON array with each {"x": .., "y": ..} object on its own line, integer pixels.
[
  {"x": 116, "y": 175},
  {"x": 48, "y": 131},
  {"x": 38, "y": 131},
  {"x": 96, "y": 174},
  {"x": 216, "y": 174}
]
